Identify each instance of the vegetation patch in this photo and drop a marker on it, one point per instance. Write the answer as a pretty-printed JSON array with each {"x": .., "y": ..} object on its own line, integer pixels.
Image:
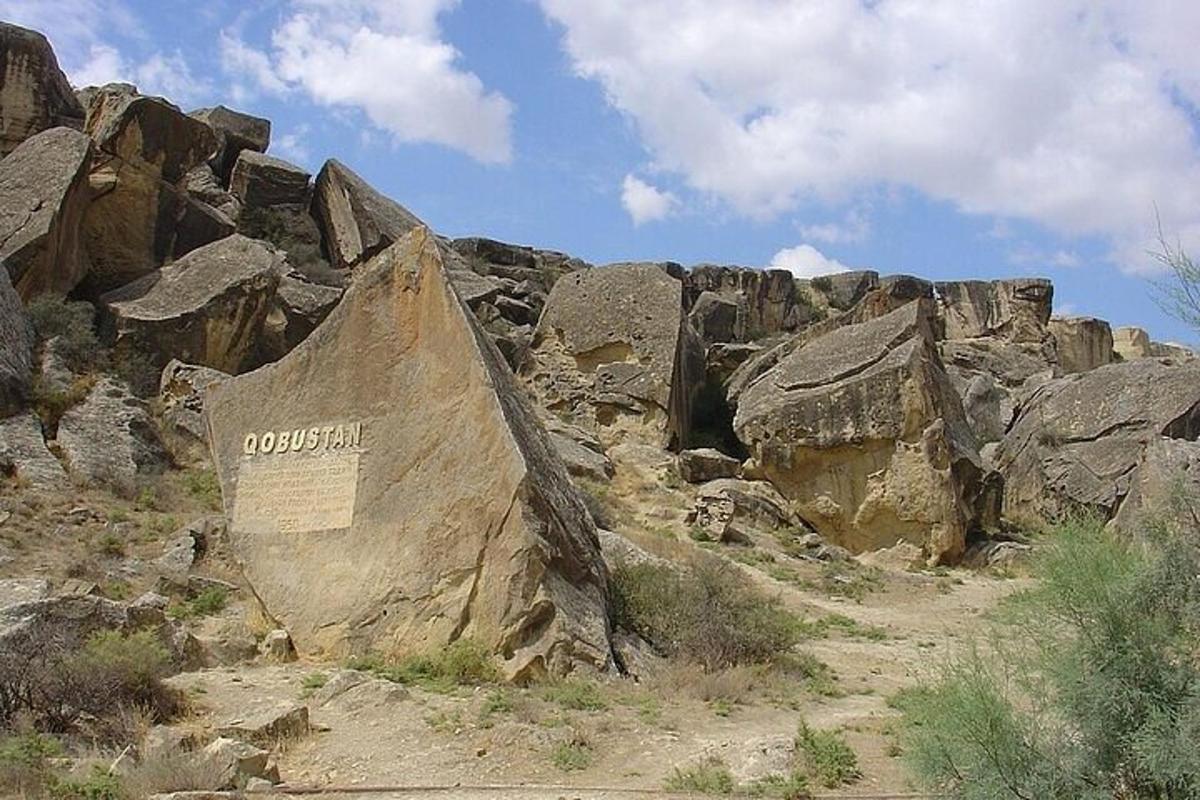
[
  {"x": 576, "y": 694},
  {"x": 711, "y": 776},
  {"x": 209, "y": 602},
  {"x": 462, "y": 663},
  {"x": 825, "y": 757},
  {"x": 573, "y": 755}
]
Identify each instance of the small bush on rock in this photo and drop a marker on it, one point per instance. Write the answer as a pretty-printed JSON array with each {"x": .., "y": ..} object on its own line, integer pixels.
[{"x": 71, "y": 323}]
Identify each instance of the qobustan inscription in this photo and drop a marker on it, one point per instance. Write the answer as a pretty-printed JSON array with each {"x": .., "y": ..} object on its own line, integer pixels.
[
  {"x": 317, "y": 438},
  {"x": 306, "y": 493}
]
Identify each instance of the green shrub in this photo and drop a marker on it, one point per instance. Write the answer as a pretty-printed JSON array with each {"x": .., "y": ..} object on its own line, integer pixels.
[
  {"x": 25, "y": 764},
  {"x": 825, "y": 757},
  {"x": 98, "y": 785},
  {"x": 1089, "y": 686},
  {"x": 709, "y": 614},
  {"x": 210, "y": 601},
  {"x": 792, "y": 786},
  {"x": 576, "y": 694},
  {"x": 572, "y": 756},
  {"x": 711, "y": 776},
  {"x": 203, "y": 485},
  {"x": 71, "y": 323},
  {"x": 461, "y": 663}
]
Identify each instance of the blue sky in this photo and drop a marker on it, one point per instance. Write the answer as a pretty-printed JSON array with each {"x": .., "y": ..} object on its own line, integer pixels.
[{"x": 943, "y": 139}]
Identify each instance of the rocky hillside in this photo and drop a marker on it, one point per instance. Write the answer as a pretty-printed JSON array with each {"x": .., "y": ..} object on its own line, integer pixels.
[{"x": 223, "y": 377}]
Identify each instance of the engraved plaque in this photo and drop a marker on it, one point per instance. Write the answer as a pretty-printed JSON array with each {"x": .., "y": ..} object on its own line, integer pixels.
[{"x": 296, "y": 494}]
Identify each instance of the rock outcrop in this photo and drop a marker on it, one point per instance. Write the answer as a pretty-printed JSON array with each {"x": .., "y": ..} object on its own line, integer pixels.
[
  {"x": 24, "y": 455},
  {"x": 259, "y": 180},
  {"x": 297, "y": 308},
  {"x": 206, "y": 308},
  {"x": 181, "y": 399},
  {"x": 16, "y": 350},
  {"x": 357, "y": 221},
  {"x": 731, "y": 304},
  {"x": 457, "y": 521},
  {"x": 1016, "y": 310},
  {"x": 1077, "y": 439},
  {"x": 1083, "y": 343},
  {"x": 615, "y": 352},
  {"x": 993, "y": 377},
  {"x": 146, "y": 148},
  {"x": 35, "y": 95},
  {"x": 862, "y": 431},
  {"x": 43, "y": 195},
  {"x": 234, "y": 131},
  {"x": 1164, "y": 488}
]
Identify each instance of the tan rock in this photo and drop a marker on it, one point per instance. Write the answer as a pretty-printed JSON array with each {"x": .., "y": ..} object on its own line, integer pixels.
[
  {"x": 206, "y": 308},
  {"x": 1130, "y": 343},
  {"x": 1017, "y": 310},
  {"x": 16, "y": 350},
  {"x": 235, "y": 131},
  {"x": 43, "y": 194},
  {"x": 420, "y": 528},
  {"x": 357, "y": 221},
  {"x": 1083, "y": 343},
  {"x": 862, "y": 430},
  {"x": 23, "y": 450},
  {"x": 181, "y": 400},
  {"x": 35, "y": 95},
  {"x": 615, "y": 352}
]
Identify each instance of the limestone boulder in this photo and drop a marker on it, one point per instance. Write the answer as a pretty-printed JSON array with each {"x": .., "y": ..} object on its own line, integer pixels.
[
  {"x": 357, "y": 221},
  {"x": 1078, "y": 438},
  {"x": 203, "y": 185},
  {"x": 731, "y": 510},
  {"x": 35, "y": 95},
  {"x": 234, "y": 131},
  {"x": 1083, "y": 343},
  {"x": 24, "y": 455},
  {"x": 615, "y": 352},
  {"x": 863, "y": 432},
  {"x": 1171, "y": 350},
  {"x": 993, "y": 377},
  {"x": 110, "y": 439},
  {"x": 363, "y": 525},
  {"x": 843, "y": 290},
  {"x": 1130, "y": 343},
  {"x": 43, "y": 195},
  {"x": 146, "y": 148},
  {"x": 181, "y": 399},
  {"x": 1164, "y": 487},
  {"x": 259, "y": 180},
  {"x": 735, "y": 304},
  {"x": 207, "y": 308},
  {"x": 581, "y": 453},
  {"x": 16, "y": 350},
  {"x": 297, "y": 308},
  {"x": 1016, "y": 310},
  {"x": 706, "y": 464}
]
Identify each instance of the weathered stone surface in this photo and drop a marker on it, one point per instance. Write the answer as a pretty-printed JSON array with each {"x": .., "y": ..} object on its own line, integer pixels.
[
  {"x": 494, "y": 543},
  {"x": 109, "y": 439},
  {"x": 994, "y": 376},
  {"x": 357, "y": 221},
  {"x": 24, "y": 454},
  {"x": 147, "y": 146},
  {"x": 614, "y": 350},
  {"x": 43, "y": 195},
  {"x": 188, "y": 545},
  {"x": 862, "y": 430},
  {"x": 1017, "y": 310},
  {"x": 16, "y": 350},
  {"x": 1164, "y": 488},
  {"x": 1078, "y": 438},
  {"x": 203, "y": 184},
  {"x": 706, "y": 464},
  {"x": 206, "y": 308},
  {"x": 181, "y": 397},
  {"x": 581, "y": 453},
  {"x": 1083, "y": 343},
  {"x": 259, "y": 180},
  {"x": 734, "y": 304},
  {"x": 235, "y": 131},
  {"x": 733, "y": 510},
  {"x": 237, "y": 762},
  {"x": 268, "y": 727},
  {"x": 277, "y": 646},
  {"x": 297, "y": 308},
  {"x": 1171, "y": 350},
  {"x": 1130, "y": 343},
  {"x": 35, "y": 95},
  {"x": 841, "y": 291}
]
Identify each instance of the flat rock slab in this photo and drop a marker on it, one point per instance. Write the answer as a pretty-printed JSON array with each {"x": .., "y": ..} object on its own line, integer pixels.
[
  {"x": 389, "y": 488},
  {"x": 23, "y": 447}
]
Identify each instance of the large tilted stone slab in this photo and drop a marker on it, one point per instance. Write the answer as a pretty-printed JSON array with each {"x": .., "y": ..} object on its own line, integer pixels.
[
  {"x": 235, "y": 131},
  {"x": 1077, "y": 439},
  {"x": 1017, "y": 309},
  {"x": 1164, "y": 488},
  {"x": 861, "y": 429},
  {"x": 615, "y": 352},
  {"x": 1083, "y": 343},
  {"x": 43, "y": 195},
  {"x": 110, "y": 439},
  {"x": 16, "y": 350},
  {"x": 357, "y": 221},
  {"x": 206, "y": 308},
  {"x": 34, "y": 93},
  {"x": 147, "y": 146},
  {"x": 994, "y": 376},
  {"x": 389, "y": 487}
]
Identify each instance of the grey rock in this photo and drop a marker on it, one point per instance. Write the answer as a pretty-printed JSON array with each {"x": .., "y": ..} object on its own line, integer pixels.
[
  {"x": 729, "y": 509},
  {"x": 236, "y": 761},
  {"x": 1017, "y": 310},
  {"x": 297, "y": 308},
  {"x": 706, "y": 464},
  {"x": 1164, "y": 488},
  {"x": 188, "y": 544},
  {"x": 715, "y": 317},
  {"x": 277, "y": 646},
  {"x": 357, "y": 221},
  {"x": 1077, "y": 439},
  {"x": 203, "y": 184},
  {"x": 16, "y": 591},
  {"x": 24, "y": 454},
  {"x": 259, "y": 180},
  {"x": 1130, "y": 343},
  {"x": 268, "y": 727},
  {"x": 181, "y": 399},
  {"x": 206, "y": 308},
  {"x": 235, "y": 131},
  {"x": 843, "y": 290},
  {"x": 36, "y": 94},
  {"x": 110, "y": 439},
  {"x": 580, "y": 460},
  {"x": 736, "y": 304},
  {"x": 16, "y": 350},
  {"x": 43, "y": 196}
]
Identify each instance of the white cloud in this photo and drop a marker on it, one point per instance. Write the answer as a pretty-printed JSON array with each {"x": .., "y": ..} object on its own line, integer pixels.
[
  {"x": 853, "y": 228},
  {"x": 387, "y": 59},
  {"x": 1028, "y": 256},
  {"x": 1069, "y": 114},
  {"x": 291, "y": 145},
  {"x": 646, "y": 203},
  {"x": 248, "y": 67},
  {"x": 806, "y": 261},
  {"x": 170, "y": 76},
  {"x": 104, "y": 65}
]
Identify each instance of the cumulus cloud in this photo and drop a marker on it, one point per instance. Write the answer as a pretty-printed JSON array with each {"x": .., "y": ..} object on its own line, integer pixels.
[
  {"x": 646, "y": 203},
  {"x": 387, "y": 59},
  {"x": 1074, "y": 115},
  {"x": 806, "y": 261},
  {"x": 853, "y": 228}
]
